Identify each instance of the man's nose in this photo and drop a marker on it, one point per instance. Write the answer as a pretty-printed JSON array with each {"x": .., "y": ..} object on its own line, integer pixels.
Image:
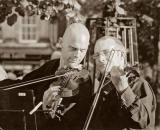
[{"x": 77, "y": 53}]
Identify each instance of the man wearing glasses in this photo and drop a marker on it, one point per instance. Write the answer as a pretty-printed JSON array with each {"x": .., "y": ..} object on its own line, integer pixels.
[{"x": 127, "y": 102}]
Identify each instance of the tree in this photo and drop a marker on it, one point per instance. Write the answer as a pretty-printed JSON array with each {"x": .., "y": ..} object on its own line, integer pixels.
[
  {"x": 146, "y": 13},
  {"x": 47, "y": 9}
]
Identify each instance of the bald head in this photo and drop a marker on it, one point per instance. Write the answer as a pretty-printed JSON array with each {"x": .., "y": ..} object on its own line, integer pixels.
[
  {"x": 108, "y": 43},
  {"x": 76, "y": 33}
]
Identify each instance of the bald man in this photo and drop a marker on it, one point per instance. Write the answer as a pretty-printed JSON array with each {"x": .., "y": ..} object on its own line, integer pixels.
[
  {"x": 75, "y": 43},
  {"x": 128, "y": 102}
]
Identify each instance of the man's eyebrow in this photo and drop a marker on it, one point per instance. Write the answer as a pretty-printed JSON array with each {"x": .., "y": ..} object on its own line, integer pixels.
[
  {"x": 83, "y": 49},
  {"x": 72, "y": 47}
]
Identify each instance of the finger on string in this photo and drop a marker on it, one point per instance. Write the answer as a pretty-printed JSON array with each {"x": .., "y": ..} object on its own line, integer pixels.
[
  {"x": 51, "y": 90},
  {"x": 51, "y": 98},
  {"x": 47, "y": 94},
  {"x": 54, "y": 88}
]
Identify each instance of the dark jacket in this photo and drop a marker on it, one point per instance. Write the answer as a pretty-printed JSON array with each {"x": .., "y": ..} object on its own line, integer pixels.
[
  {"x": 75, "y": 117},
  {"x": 134, "y": 109}
]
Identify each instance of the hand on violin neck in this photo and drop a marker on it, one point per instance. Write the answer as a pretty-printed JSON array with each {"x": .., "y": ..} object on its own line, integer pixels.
[
  {"x": 50, "y": 95},
  {"x": 119, "y": 79}
]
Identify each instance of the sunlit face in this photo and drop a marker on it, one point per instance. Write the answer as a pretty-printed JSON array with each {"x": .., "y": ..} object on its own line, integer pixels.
[
  {"x": 74, "y": 53},
  {"x": 107, "y": 52},
  {"x": 74, "y": 45}
]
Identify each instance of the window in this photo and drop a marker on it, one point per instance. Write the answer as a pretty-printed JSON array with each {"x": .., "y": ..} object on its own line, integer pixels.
[{"x": 28, "y": 29}]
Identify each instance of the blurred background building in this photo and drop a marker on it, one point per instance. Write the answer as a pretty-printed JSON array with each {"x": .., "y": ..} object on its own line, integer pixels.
[{"x": 28, "y": 43}]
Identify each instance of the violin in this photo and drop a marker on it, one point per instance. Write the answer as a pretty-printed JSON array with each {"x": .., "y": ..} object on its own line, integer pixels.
[
  {"x": 67, "y": 89},
  {"x": 130, "y": 72},
  {"x": 72, "y": 76},
  {"x": 69, "y": 86},
  {"x": 60, "y": 75}
]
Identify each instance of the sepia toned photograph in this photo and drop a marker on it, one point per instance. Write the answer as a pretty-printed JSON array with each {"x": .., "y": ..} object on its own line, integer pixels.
[{"x": 79, "y": 64}]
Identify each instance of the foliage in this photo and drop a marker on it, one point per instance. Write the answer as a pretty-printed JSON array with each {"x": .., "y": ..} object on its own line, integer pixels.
[
  {"x": 146, "y": 13},
  {"x": 47, "y": 9}
]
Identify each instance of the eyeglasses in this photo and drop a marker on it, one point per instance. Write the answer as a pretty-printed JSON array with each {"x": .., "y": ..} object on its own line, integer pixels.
[{"x": 106, "y": 53}]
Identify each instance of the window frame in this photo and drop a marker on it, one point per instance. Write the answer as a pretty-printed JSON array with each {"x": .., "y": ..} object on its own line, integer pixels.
[{"x": 24, "y": 23}]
